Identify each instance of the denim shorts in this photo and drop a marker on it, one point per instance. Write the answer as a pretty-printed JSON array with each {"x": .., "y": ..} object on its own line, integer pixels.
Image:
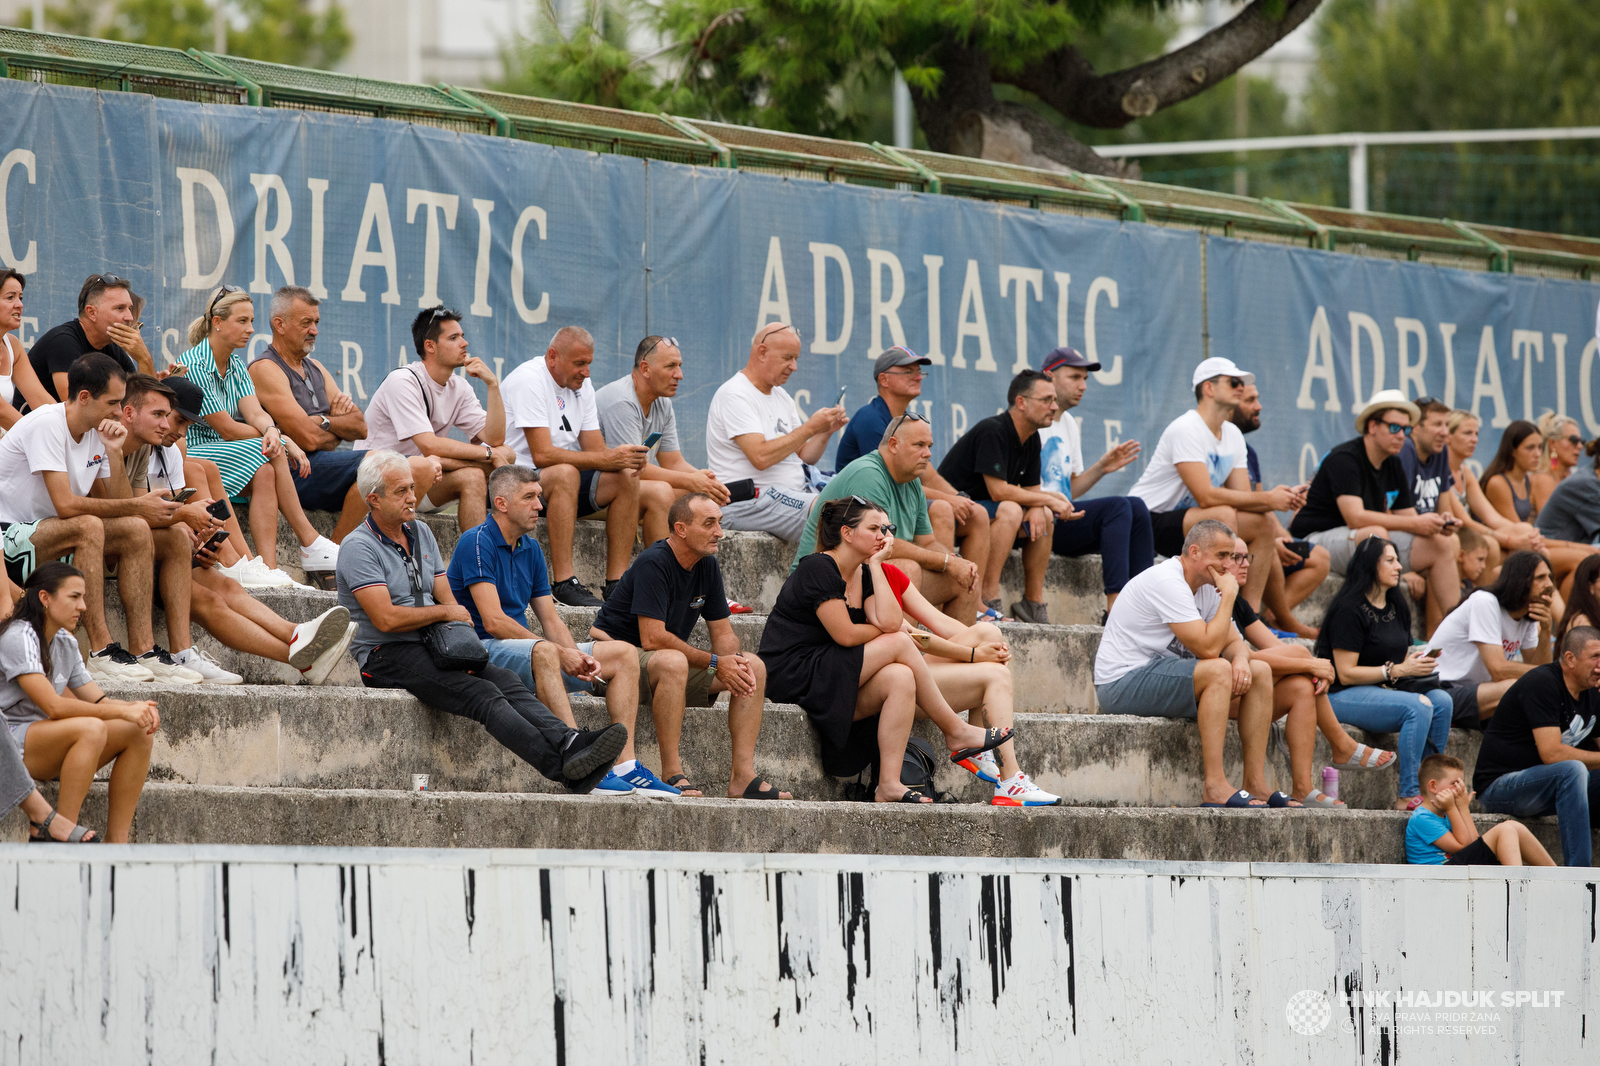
[
  {"x": 517, "y": 656},
  {"x": 332, "y": 474},
  {"x": 1161, "y": 688}
]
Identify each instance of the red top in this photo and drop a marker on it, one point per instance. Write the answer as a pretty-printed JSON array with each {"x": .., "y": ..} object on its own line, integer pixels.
[{"x": 897, "y": 581}]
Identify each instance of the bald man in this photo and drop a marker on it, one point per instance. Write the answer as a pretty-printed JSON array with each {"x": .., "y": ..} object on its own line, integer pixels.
[
  {"x": 754, "y": 432},
  {"x": 555, "y": 429}
]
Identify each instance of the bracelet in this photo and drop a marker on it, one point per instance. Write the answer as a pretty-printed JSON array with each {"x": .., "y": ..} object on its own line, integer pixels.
[
  {"x": 946, "y": 567},
  {"x": 1386, "y": 676},
  {"x": 972, "y": 656},
  {"x": 713, "y": 662}
]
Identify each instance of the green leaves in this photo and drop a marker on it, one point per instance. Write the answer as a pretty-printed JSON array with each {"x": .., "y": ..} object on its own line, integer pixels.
[{"x": 278, "y": 31}]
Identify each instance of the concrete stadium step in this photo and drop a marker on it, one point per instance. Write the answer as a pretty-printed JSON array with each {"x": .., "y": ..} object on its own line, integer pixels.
[
  {"x": 334, "y": 738},
  {"x": 184, "y": 814}
]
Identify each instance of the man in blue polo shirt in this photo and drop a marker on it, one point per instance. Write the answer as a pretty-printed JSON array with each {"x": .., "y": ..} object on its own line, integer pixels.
[{"x": 497, "y": 571}]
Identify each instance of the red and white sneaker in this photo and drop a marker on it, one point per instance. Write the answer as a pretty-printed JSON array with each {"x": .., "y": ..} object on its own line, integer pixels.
[
  {"x": 1020, "y": 791},
  {"x": 735, "y": 607}
]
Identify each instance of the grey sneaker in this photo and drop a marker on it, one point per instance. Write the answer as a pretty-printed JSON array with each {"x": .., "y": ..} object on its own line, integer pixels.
[{"x": 1025, "y": 610}]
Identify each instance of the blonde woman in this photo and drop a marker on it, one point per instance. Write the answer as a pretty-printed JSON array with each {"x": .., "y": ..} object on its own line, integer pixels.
[
  {"x": 1468, "y": 503},
  {"x": 237, "y": 434},
  {"x": 1563, "y": 447}
]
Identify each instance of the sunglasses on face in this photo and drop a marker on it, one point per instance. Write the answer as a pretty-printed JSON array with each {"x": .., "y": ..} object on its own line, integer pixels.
[
  {"x": 1396, "y": 429},
  {"x": 909, "y": 371},
  {"x": 1574, "y": 439}
]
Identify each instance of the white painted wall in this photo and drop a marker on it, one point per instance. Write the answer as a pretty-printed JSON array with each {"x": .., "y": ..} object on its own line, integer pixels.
[{"x": 175, "y": 954}]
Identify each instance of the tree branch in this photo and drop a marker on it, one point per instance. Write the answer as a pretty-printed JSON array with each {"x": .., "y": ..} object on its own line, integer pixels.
[{"x": 1067, "y": 82}]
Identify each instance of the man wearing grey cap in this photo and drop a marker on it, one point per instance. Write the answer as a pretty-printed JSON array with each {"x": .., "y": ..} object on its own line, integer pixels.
[
  {"x": 1115, "y": 527},
  {"x": 957, "y": 521}
]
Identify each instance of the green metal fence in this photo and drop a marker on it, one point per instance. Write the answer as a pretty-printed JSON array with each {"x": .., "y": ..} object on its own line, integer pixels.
[{"x": 1502, "y": 244}]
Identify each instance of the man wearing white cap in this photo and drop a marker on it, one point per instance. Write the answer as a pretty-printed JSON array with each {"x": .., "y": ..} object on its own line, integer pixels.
[
  {"x": 1200, "y": 470},
  {"x": 1361, "y": 490}
]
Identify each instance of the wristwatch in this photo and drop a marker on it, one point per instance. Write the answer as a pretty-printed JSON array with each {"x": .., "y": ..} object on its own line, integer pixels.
[
  {"x": 488, "y": 452},
  {"x": 327, "y": 427},
  {"x": 711, "y": 671}
]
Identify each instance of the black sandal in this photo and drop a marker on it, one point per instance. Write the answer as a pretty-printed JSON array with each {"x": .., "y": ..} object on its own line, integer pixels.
[
  {"x": 911, "y": 796},
  {"x": 686, "y": 785},
  {"x": 992, "y": 738},
  {"x": 81, "y": 834},
  {"x": 753, "y": 791}
]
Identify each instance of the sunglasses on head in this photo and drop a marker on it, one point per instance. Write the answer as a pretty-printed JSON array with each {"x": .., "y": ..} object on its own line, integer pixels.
[
  {"x": 225, "y": 290},
  {"x": 898, "y": 421},
  {"x": 779, "y": 327},
  {"x": 670, "y": 342}
]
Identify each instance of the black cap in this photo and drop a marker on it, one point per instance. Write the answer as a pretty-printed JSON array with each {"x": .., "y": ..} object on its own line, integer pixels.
[
  {"x": 189, "y": 397},
  {"x": 1067, "y": 357}
]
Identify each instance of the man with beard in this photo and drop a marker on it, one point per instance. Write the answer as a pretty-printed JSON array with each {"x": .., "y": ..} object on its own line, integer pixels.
[{"x": 1297, "y": 566}]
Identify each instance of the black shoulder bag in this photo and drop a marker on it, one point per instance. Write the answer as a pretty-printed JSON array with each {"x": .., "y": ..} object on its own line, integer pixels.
[{"x": 451, "y": 645}]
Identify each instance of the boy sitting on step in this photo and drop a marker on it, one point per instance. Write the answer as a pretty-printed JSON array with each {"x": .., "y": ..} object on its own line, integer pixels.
[{"x": 1441, "y": 832}]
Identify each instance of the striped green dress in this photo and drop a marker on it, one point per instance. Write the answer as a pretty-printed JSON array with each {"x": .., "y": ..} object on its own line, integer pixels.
[{"x": 238, "y": 460}]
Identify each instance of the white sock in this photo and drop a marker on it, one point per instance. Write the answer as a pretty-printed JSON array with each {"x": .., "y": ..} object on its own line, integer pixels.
[
  {"x": 622, "y": 769},
  {"x": 1011, "y": 780}
]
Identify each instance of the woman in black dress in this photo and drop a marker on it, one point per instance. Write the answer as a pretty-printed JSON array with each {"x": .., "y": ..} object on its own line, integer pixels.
[{"x": 836, "y": 649}]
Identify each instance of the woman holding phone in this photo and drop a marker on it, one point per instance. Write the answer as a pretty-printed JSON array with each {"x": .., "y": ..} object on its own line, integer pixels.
[{"x": 1381, "y": 683}]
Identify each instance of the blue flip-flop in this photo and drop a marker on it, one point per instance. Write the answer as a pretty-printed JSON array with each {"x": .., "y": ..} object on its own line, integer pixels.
[
  {"x": 1239, "y": 800},
  {"x": 989, "y": 614},
  {"x": 1283, "y": 800}
]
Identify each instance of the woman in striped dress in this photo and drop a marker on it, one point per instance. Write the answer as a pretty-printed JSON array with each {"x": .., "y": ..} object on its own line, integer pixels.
[{"x": 237, "y": 434}]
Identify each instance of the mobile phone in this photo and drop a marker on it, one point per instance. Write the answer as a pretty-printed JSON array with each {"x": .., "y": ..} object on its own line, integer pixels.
[
  {"x": 182, "y": 495},
  {"x": 1432, "y": 653},
  {"x": 840, "y": 398},
  {"x": 650, "y": 441},
  {"x": 213, "y": 542},
  {"x": 218, "y": 509}
]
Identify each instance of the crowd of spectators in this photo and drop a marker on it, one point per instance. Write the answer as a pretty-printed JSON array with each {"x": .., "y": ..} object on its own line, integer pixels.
[{"x": 113, "y": 468}]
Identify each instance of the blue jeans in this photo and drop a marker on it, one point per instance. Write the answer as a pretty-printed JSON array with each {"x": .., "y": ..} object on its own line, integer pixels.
[
  {"x": 1567, "y": 789},
  {"x": 517, "y": 656},
  {"x": 1422, "y": 722},
  {"x": 1118, "y": 527}
]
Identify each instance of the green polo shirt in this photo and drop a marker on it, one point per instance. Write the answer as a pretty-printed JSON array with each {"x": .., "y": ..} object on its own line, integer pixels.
[{"x": 868, "y": 478}]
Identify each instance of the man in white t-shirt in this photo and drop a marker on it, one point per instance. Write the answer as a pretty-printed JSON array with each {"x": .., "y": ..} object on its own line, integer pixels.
[
  {"x": 555, "y": 428},
  {"x": 1200, "y": 470},
  {"x": 1481, "y": 640},
  {"x": 1116, "y": 527},
  {"x": 64, "y": 490},
  {"x": 418, "y": 405},
  {"x": 754, "y": 432},
  {"x": 1170, "y": 650}
]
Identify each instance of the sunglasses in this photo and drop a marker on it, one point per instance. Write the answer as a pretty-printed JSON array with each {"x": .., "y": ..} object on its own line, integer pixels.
[
  {"x": 1573, "y": 438},
  {"x": 225, "y": 290},
  {"x": 895, "y": 424},
  {"x": 1396, "y": 429},
  {"x": 670, "y": 342},
  {"x": 780, "y": 327},
  {"x": 908, "y": 371},
  {"x": 868, "y": 505}
]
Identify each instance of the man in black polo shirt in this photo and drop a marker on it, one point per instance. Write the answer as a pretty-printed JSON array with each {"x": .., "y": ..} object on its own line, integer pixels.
[
  {"x": 670, "y": 586},
  {"x": 1361, "y": 490},
  {"x": 1539, "y": 753},
  {"x": 104, "y": 324},
  {"x": 997, "y": 464}
]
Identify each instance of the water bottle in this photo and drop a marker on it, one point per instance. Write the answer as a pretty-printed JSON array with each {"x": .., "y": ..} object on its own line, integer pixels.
[{"x": 1330, "y": 782}]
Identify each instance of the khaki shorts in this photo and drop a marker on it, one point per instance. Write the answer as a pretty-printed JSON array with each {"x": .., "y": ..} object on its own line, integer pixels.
[{"x": 697, "y": 691}]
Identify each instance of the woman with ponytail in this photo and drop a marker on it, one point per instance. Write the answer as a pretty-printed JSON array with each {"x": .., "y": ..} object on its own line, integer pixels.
[
  {"x": 237, "y": 434},
  {"x": 64, "y": 725}
]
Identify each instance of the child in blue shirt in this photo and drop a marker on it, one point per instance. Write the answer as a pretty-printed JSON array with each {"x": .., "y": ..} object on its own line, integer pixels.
[{"x": 1441, "y": 832}]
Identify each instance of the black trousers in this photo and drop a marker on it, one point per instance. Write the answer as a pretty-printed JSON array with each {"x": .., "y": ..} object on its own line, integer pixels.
[{"x": 493, "y": 697}]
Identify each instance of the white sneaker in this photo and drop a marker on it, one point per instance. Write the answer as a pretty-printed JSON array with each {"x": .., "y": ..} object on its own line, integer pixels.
[
  {"x": 318, "y": 671},
  {"x": 165, "y": 670},
  {"x": 323, "y": 554},
  {"x": 313, "y": 638},
  {"x": 237, "y": 571},
  {"x": 192, "y": 658},
  {"x": 271, "y": 577},
  {"x": 115, "y": 663},
  {"x": 1020, "y": 791}
]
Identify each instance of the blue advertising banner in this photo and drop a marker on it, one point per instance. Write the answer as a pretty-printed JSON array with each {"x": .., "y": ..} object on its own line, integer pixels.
[
  {"x": 381, "y": 218},
  {"x": 1325, "y": 331}
]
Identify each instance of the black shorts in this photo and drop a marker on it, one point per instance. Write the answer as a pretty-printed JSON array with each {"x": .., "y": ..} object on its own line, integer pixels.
[
  {"x": 1464, "y": 695},
  {"x": 1476, "y": 853},
  {"x": 588, "y": 492},
  {"x": 1168, "y": 529}
]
